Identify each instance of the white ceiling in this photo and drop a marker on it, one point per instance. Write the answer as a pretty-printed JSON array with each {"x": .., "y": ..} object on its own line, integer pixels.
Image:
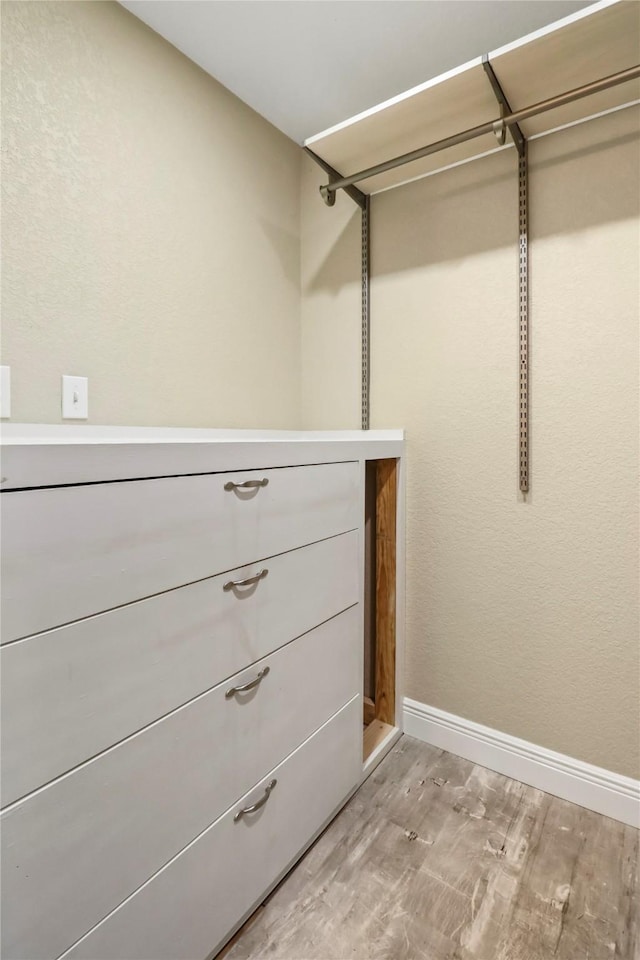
[{"x": 308, "y": 64}]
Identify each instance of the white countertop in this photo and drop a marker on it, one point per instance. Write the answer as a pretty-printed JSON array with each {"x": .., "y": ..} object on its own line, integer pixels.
[
  {"x": 44, "y": 455},
  {"x": 53, "y": 433}
]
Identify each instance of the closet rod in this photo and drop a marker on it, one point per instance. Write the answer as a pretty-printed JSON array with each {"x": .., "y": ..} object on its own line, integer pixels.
[{"x": 491, "y": 126}]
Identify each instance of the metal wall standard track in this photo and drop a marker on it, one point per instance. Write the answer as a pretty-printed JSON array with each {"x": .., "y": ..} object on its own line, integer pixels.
[
  {"x": 364, "y": 203},
  {"x": 365, "y": 333},
  {"x": 523, "y": 318},
  {"x": 523, "y": 276}
]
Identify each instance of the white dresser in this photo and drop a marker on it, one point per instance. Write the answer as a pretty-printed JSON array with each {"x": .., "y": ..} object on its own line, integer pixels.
[{"x": 181, "y": 677}]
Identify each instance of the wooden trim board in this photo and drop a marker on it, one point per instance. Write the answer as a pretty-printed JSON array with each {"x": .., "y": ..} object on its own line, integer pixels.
[
  {"x": 595, "y": 788},
  {"x": 386, "y": 506},
  {"x": 369, "y": 710},
  {"x": 369, "y": 592},
  {"x": 379, "y": 711},
  {"x": 375, "y": 733}
]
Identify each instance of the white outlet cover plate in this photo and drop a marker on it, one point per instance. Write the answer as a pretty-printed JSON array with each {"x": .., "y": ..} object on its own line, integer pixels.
[
  {"x": 75, "y": 398},
  {"x": 5, "y": 392}
]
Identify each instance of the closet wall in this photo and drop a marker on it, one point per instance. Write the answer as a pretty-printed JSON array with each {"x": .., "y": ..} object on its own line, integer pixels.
[
  {"x": 520, "y": 615},
  {"x": 150, "y": 229}
]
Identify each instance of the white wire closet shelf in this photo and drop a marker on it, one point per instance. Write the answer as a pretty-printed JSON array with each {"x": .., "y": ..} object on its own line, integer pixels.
[{"x": 597, "y": 42}]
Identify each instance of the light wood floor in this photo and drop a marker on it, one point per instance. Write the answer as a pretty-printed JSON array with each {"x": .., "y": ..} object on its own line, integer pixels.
[{"x": 437, "y": 859}]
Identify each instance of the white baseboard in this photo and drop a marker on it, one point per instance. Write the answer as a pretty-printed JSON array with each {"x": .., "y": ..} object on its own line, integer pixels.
[{"x": 592, "y": 787}]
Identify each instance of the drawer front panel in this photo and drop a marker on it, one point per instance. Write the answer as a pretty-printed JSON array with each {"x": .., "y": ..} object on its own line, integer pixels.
[
  {"x": 74, "y": 850},
  {"x": 70, "y": 693},
  {"x": 73, "y": 552},
  {"x": 188, "y": 909}
]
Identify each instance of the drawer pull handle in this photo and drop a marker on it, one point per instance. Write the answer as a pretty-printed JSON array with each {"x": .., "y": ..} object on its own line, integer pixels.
[
  {"x": 230, "y": 584},
  {"x": 246, "y": 484},
  {"x": 248, "y": 686},
  {"x": 260, "y": 803}
]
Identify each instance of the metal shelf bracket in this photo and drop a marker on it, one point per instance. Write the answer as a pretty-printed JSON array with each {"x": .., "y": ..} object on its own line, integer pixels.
[
  {"x": 505, "y": 108},
  {"x": 327, "y": 192}
]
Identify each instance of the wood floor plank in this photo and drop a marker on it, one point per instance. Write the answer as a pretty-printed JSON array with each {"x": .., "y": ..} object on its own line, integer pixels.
[
  {"x": 437, "y": 859},
  {"x": 603, "y": 891}
]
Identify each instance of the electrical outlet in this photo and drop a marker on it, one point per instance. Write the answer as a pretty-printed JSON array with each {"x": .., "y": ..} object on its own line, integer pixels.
[
  {"x": 75, "y": 398},
  {"x": 5, "y": 392}
]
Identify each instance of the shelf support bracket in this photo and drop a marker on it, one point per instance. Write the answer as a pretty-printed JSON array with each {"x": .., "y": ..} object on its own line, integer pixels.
[
  {"x": 505, "y": 108},
  {"x": 329, "y": 195},
  {"x": 362, "y": 200},
  {"x": 523, "y": 272}
]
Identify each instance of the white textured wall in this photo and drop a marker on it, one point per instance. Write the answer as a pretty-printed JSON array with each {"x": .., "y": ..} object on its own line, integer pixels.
[
  {"x": 150, "y": 229},
  {"x": 520, "y": 615}
]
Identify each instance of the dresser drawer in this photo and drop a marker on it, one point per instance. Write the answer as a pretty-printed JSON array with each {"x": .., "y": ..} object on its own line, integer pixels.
[
  {"x": 75, "y": 849},
  {"x": 188, "y": 909},
  {"x": 70, "y": 552},
  {"x": 72, "y": 692}
]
